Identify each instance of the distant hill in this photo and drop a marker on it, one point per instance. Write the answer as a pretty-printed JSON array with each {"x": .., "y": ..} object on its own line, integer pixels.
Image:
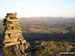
[
  {"x": 57, "y": 19},
  {"x": 51, "y": 20},
  {"x": 46, "y": 19},
  {"x": 47, "y": 28}
]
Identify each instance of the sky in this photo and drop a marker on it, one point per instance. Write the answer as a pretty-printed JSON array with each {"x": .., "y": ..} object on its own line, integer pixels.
[{"x": 38, "y": 8}]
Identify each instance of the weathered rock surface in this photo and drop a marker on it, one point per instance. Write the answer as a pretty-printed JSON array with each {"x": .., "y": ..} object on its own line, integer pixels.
[
  {"x": 12, "y": 37},
  {"x": 12, "y": 34}
]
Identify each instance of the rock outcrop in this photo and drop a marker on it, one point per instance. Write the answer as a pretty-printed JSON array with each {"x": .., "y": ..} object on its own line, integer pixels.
[{"x": 12, "y": 32}]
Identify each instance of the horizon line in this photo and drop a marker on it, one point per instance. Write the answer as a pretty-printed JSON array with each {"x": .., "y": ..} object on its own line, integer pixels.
[{"x": 42, "y": 17}]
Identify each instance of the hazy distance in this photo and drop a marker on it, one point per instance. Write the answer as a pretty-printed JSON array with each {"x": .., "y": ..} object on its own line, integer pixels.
[{"x": 38, "y": 8}]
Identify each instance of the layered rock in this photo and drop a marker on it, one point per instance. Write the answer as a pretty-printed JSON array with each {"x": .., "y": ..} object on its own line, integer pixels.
[{"x": 12, "y": 32}]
